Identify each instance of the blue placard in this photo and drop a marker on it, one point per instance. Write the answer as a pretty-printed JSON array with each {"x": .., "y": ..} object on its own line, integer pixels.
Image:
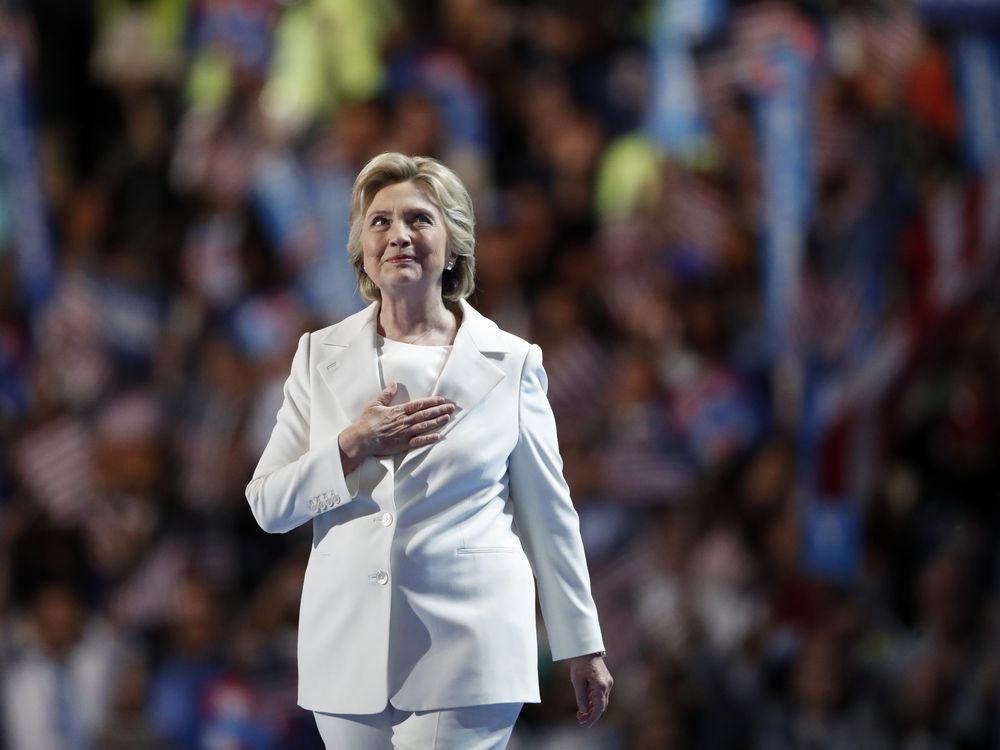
[
  {"x": 831, "y": 538},
  {"x": 783, "y": 125}
]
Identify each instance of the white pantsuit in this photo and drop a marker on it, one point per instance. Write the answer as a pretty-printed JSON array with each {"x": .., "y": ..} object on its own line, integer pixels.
[
  {"x": 420, "y": 586},
  {"x": 471, "y": 728}
]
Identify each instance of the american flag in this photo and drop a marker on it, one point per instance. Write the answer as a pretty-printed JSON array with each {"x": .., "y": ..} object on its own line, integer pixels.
[
  {"x": 152, "y": 595},
  {"x": 55, "y": 463},
  {"x": 643, "y": 462},
  {"x": 893, "y": 39},
  {"x": 702, "y": 221},
  {"x": 205, "y": 446},
  {"x": 578, "y": 372},
  {"x": 838, "y": 151},
  {"x": 757, "y": 29},
  {"x": 73, "y": 364},
  {"x": 643, "y": 475},
  {"x": 715, "y": 414},
  {"x": 616, "y": 587},
  {"x": 829, "y": 314},
  {"x": 964, "y": 227},
  {"x": 960, "y": 247}
]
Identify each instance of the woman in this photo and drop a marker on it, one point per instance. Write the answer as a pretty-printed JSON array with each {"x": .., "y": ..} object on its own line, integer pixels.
[{"x": 417, "y": 438}]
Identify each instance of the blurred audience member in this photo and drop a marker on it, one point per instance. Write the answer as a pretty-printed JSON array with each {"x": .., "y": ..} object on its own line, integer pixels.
[
  {"x": 128, "y": 726},
  {"x": 58, "y": 690},
  {"x": 193, "y": 661}
]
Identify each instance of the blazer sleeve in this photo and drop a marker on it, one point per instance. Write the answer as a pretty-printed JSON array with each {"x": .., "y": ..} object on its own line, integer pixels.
[
  {"x": 293, "y": 481},
  {"x": 548, "y": 523}
]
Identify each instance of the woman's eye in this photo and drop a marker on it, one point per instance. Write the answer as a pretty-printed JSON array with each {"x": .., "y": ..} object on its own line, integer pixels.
[
  {"x": 379, "y": 221},
  {"x": 423, "y": 218}
]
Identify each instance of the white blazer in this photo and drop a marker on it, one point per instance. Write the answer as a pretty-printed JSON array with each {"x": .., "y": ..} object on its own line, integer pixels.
[{"x": 420, "y": 586}]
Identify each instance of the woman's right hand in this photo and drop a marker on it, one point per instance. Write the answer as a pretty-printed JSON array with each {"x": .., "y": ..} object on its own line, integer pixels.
[{"x": 383, "y": 430}]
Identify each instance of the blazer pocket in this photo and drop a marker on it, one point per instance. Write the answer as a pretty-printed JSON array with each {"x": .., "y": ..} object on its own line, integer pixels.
[{"x": 485, "y": 550}]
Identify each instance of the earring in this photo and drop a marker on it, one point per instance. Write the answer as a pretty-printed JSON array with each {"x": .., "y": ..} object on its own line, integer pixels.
[{"x": 451, "y": 265}]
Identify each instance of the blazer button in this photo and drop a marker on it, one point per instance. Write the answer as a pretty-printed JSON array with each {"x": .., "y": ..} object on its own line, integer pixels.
[
  {"x": 383, "y": 520},
  {"x": 381, "y": 578}
]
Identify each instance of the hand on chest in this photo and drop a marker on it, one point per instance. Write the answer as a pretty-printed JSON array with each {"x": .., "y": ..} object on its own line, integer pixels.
[{"x": 477, "y": 374}]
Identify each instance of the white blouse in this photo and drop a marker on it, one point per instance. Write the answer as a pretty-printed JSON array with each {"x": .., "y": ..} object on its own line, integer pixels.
[{"x": 414, "y": 367}]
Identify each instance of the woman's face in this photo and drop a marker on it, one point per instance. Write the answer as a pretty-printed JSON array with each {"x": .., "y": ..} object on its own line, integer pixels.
[{"x": 404, "y": 242}]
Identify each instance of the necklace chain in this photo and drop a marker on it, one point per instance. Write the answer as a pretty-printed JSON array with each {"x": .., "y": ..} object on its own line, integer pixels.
[
  {"x": 415, "y": 339},
  {"x": 449, "y": 328}
]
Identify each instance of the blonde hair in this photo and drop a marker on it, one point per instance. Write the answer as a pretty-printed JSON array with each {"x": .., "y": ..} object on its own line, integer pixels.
[{"x": 445, "y": 189}]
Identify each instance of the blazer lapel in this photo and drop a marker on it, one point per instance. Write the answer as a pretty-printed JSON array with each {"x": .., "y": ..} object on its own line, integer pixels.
[
  {"x": 350, "y": 369},
  {"x": 468, "y": 374}
]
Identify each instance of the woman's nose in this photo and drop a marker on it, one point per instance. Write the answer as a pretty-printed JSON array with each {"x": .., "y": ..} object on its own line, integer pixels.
[{"x": 400, "y": 236}]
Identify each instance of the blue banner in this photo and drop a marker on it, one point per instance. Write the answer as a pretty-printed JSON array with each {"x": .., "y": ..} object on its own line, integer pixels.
[
  {"x": 280, "y": 196},
  {"x": 14, "y": 392},
  {"x": 22, "y": 172},
  {"x": 783, "y": 125},
  {"x": 291, "y": 198},
  {"x": 675, "y": 120},
  {"x": 687, "y": 21},
  {"x": 330, "y": 286},
  {"x": 977, "y": 66}
]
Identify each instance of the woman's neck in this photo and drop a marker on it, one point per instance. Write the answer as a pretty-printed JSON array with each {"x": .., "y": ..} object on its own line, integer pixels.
[{"x": 427, "y": 321}]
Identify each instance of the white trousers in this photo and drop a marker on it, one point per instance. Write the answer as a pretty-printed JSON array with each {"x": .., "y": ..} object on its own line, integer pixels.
[{"x": 469, "y": 728}]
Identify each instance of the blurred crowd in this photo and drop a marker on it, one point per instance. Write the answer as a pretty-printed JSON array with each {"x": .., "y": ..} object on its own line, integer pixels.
[{"x": 770, "y": 574}]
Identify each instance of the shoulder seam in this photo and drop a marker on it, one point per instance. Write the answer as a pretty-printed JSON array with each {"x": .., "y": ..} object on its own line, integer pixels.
[{"x": 520, "y": 381}]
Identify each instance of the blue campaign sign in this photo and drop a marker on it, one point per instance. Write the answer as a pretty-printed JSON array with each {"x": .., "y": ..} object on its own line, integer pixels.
[{"x": 831, "y": 538}]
